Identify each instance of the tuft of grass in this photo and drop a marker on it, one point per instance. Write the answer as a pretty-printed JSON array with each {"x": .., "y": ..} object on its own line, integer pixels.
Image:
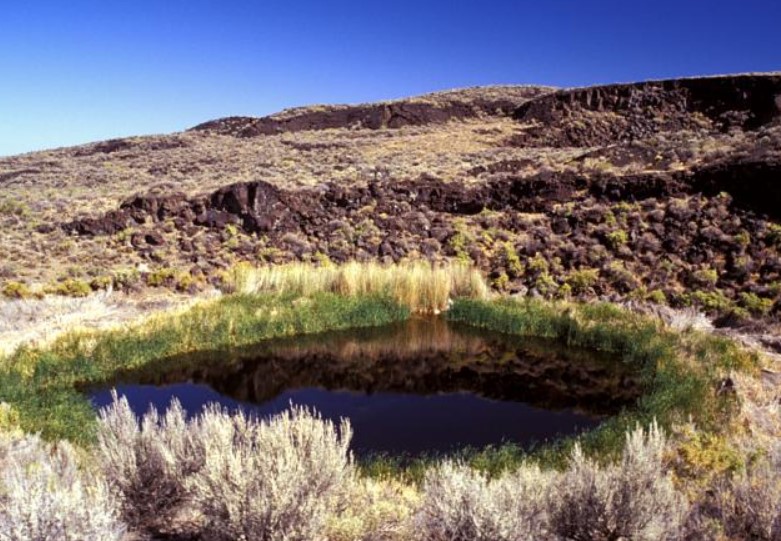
[{"x": 421, "y": 286}]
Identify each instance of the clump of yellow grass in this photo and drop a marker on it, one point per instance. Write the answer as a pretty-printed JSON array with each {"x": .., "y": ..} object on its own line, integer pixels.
[{"x": 422, "y": 286}]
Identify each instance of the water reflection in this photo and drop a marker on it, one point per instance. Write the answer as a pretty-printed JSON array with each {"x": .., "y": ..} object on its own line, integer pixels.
[{"x": 422, "y": 385}]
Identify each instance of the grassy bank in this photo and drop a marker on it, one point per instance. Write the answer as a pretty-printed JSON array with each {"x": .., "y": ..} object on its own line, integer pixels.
[
  {"x": 680, "y": 370},
  {"x": 40, "y": 383}
]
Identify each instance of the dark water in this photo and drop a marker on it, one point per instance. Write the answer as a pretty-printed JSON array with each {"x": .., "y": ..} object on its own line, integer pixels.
[{"x": 425, "y": 385}]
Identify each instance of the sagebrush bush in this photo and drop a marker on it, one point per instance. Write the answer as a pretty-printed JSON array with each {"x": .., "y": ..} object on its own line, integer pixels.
[
  {"x": 274, "y": 480},
  {"x": 147, "y": 463},
  {"x": 46, "y": 496},
  {"x": 749, "y": 505},
  {"x": 634, "y": 499},
  {"x": 462, "y": 504}
]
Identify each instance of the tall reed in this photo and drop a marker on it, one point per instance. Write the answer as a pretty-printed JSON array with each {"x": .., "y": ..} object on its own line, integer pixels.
[{"x": 421, "y": 286}]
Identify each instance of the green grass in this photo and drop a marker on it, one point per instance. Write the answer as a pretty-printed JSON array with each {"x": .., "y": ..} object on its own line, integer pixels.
[
  {"x": 41, "y": 383},
  {"x": 679, "y": 370}
]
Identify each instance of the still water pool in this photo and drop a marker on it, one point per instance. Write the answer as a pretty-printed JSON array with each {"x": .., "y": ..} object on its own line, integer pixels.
[{"x": 422, "y": 386}]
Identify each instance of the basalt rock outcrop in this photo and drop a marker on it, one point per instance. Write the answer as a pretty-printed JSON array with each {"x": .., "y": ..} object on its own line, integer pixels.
[
  {"x": 604, "y": 115},
  {"x": 753, "y": 183},
  {"x": 435, "y": 109}
]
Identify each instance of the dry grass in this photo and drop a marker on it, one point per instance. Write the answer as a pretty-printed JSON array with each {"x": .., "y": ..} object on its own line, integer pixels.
[
  {"x": 422, "y": 287},
  {"x": 39, "y": 321}
]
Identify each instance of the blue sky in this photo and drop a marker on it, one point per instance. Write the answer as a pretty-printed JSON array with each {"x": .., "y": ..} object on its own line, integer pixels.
[{"x": 83, "y": 70}]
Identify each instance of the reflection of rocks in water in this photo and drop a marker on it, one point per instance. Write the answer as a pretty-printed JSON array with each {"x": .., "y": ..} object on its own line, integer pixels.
[{"x": 421, "y": 356}]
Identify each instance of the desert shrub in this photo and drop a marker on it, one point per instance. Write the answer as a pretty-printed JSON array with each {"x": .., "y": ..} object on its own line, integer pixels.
[
  {"x": 705, "y": 277},
  {"x": 657, "y": 296},
  {"x": 16, "y": 290},
  {"x": 709, "y": 300},
  {"x": 634, "y": 499},
  {"x": 537, "y": 264},
  {"x": 546, "y": 285},
  {"x": 749, "y": 505},
  {"x": 617, "y": 238},
  {"x": 45, "y": 496},
  {"x": 147, "y": 463},
  {"x": 161, "y": 277},
  {"x": 582, "y": 279},
  {"x": 462, "y": 504},
  {"x": 70, "y": 287},
  {"x": 248, "y": 479},
  {"x": 756, "y": 304},
  {"x": 375, "y": 510},
  {"x": 511, "y": 260},
  {"x": 272, "y": 480}
]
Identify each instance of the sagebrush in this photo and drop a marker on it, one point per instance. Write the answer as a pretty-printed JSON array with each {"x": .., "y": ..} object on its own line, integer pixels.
[
  {"x": 46, "y": 495},
  {"x": 274, "y": 479}
]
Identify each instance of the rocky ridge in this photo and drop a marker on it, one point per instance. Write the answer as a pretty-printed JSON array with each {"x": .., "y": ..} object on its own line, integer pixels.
[{"x": 666, "y": 191}]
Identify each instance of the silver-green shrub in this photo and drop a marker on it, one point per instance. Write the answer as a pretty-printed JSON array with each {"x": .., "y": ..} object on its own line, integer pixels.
[
  {"x": 749, "y": 505},
  {"x": 634, "y": 499},
  {"x": 46, "y": 496},
  {"x": 461, "y": 504},
  {"x": 273, "y": 479},
  {"x": 270, "y": 480},
  {"x": 147, "y": 463}
]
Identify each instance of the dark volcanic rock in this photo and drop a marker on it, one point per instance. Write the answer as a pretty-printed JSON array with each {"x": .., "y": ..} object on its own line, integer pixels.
[
  {"x": 396, "y": 114},
  {"x": 610, "y": 114}
]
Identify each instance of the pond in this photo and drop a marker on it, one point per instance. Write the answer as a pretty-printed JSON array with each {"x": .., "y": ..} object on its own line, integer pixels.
[{"x": 423, "y": 386}]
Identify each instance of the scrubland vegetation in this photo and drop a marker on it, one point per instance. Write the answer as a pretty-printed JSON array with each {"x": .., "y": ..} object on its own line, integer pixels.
[
  {"x": 640, "y": 475},
  {"x": 292, "y": 477}
]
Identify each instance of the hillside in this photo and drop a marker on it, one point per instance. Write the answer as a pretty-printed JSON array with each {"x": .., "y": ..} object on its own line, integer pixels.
[{"x": 661, "y": 191}]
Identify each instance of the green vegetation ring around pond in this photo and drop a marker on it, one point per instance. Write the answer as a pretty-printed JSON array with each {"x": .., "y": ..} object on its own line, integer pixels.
[{"x": 679, "y": 369}]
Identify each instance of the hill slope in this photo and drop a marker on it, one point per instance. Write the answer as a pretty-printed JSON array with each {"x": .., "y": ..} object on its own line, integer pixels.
[{"x": 666, "y": 190}]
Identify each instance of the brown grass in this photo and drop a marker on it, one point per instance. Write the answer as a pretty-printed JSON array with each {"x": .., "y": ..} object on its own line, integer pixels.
[{"x": 421, "y": 286}]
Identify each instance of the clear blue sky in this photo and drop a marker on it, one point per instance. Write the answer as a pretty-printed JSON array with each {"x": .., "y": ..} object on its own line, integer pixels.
[{"x": 79, "y": 70}]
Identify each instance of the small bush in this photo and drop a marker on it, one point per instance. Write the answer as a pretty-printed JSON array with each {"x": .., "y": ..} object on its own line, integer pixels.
[
  {"x": 147, "y": 464},
  {"x": 617, "y": 238},
  {"x": 581, "y": 280},
  {"x": 70, "y": 287},
  {"x": 247, "y": 479},
  {"x": 16, "y": 290},
  {"x": 512, "y": 261},
  {"x": 634, "y": 499},
  {"x": 461, "y": 504},
  {"x": 749, "y": 506},
  {"x": 45, "y": 496},
  {"x": 709, "y": 300},
  {"x": 705, "y": 277},
  {"x": 657, "y": 296},
  {"x": 275, "y": 480},
  {"x": 756, "y": 304}
]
